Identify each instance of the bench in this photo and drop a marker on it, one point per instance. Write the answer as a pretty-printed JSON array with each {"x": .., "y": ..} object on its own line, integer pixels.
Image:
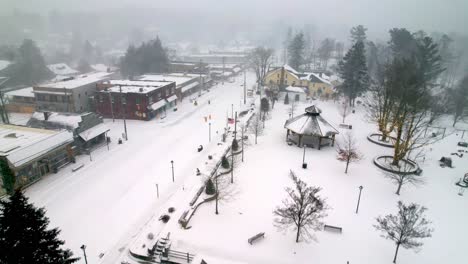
[
  {"x": 346, "y": 126},
  {"x": 333, "y": 228},
  {"x": 256, "y": 237},
  {"x": 77, "y": 167}
]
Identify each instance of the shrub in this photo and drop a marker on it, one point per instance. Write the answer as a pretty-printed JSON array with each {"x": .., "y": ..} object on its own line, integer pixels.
[
  {"x": 210, "y": 188},
  {"x": 165, "y": 218},
  {"x": 235, "y": 145},
  {"x": 171, "y": 210},
  {"x": 150, "y": 236},
  {"x": 225, "y": 162}
]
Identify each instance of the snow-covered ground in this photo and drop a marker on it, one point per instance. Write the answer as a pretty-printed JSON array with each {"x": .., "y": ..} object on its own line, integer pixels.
[
  {"x": 104, "y": 204},
  {"x": 260, "y": 183},
  {"x": 111, "y": 203}
]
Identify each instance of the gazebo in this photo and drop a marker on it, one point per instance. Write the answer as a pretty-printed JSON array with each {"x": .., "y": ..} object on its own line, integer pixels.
[{"x": 310, "y": 128}]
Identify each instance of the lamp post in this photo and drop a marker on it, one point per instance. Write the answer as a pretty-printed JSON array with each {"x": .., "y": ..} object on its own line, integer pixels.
[
  {"x": 359, "y": 199},
  {"x": 172, "y": 163},
  {"x": 304, "y": 165},
  {"x": 83, "y": 247},
  {"x": 209, "y": 132}
]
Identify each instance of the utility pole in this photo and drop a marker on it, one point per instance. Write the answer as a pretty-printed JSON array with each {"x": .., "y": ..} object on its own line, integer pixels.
[
  {"x": 232, "y": 110},
  {"x": 3, "y": 108},
  {"x": 242, "y": 140},
  {"x": 201, "y": 79},
  {"x": 245, "y": 88},
  {"x": 217, "y": 193},
  {"x": 112, "y": 107},
  {"x": 123, "y": 105},
  {"x": 83, "y": 247},
  {"x": 157, "y": 190},
  {"x": 232, "y": 150}
]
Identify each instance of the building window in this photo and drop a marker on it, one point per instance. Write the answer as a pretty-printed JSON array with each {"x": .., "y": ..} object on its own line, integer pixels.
[
  {"x": 285, "y": 81},
  {"x": 124, "y": 100},
  {"x": 79, "y": 95},
  {"x": 112, "y": 98},
  {"x": 101, "y": 98},
  {"x": 86, "y": 93},
  {"x": 138, "y": 100}
]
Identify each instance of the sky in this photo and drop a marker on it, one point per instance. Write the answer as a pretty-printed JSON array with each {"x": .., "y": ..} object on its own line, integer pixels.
[{"x": 431, "y": 15}]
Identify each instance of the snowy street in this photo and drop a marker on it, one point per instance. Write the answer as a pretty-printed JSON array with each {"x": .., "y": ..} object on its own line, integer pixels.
[{"x": 104, "y": 204}]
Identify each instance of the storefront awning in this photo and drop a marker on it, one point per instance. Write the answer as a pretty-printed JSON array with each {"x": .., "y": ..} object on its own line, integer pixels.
[
  {"x": 93, "y": 132},
  {"x": 157, "y": 105},
  {"x": 171, "y": 98}
]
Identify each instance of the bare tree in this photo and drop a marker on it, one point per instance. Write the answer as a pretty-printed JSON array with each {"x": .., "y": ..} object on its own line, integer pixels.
[
  {"x": 345, "y": 110},
  {"x": 325, "y": 51},
  {"x": 225, "y": 191},
  {"x": 459, "y": 98},
  {"x": 292, "y": 108},
  {"x": 260, "y": 60},
  {"x": 347, "y": 150},
  {"x": 302, "y": 211},
  {"x": 256, "y": 126},
  {"x": 406, "y": 228},
  {"x": 404, "y": 175}
]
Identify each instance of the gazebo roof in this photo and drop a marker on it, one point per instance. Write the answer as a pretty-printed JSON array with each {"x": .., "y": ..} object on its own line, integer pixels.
[{"x": 311, "y": 124}]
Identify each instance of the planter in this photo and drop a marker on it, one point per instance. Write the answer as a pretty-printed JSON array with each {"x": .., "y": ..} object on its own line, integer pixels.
[
  {"x": 375, "y": 138},
  {"x": 385, "y": 163}
]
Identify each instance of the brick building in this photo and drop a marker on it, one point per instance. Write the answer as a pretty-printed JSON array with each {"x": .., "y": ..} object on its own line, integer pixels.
[{"x": 140, "y": 100}]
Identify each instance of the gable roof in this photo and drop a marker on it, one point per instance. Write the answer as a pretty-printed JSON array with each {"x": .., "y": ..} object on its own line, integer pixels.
[{"x": 311, "y": 124}]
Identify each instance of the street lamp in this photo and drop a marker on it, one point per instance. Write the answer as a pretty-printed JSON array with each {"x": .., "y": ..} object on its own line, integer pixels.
[
  {"x": 304, "y": 165},
  {"x": 172, "y": 163},
  {"x": 359, "y": 199},
  {"x": 83, "y": 247},
  {"x": 209, "y": 131}
]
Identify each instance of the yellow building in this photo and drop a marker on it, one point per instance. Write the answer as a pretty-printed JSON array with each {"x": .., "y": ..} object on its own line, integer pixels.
[{"x": 317, "y": 84}]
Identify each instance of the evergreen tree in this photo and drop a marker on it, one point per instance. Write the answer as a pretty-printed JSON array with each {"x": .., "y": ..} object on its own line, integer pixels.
[
  {"x": 402, "y": 43},
  {"x": 286, "y": 99},
  {"x": 24, "y": 238},
  {"x": 235, "y": 145},
  {"x": 296, "y": 51},
  {"x": 225, "y": 162},
  {"x": 29, "y": 67},
  {"x": 8, "y": 177},
  {"x": 358, "y": 34},
  {"x": 353, "y": 70},
  {"x": 84, "y": 67},
  {"x": 325, "y": 51},
  {"x": 149, "y": 57},
  {"x": 430, "y": 61},
  {"x": 210, "y": 188}
]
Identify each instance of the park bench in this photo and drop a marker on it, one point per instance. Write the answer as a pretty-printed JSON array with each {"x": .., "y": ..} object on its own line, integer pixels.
[
  {"x": 463, "y": 144},
  {"x": 77, "y": 167},
  {"x": 346, "y": 126},
  {"x": 333, "y": 228},
  {"x": 256, "y": 237}
]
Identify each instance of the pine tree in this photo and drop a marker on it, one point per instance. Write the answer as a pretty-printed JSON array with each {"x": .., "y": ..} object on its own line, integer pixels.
[
  {"x": 24, "y": 238},
  {"x": 296, "y": 51},
  {"x": 8, "y": 177},
  {"x": 358, "y": 34},
  {"x": 235, "y": 145},
  {"x": 286, "y": 99},
  {"x": 225, "y": 162},
  {"x": 353, "y": 71},
  {"x": 210, "y": 188},
  {"x": 29, "y": 67}
]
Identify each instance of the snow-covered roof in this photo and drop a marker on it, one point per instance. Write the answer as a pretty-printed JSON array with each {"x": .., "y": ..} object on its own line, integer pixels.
[
  {"x": 134, "y": 89},
  {"x": 157, "y": 105},
  {"x": 94, "y": 132},
  {"x": 179, "y": 79},
  {"x": 4, "y": 64},
  {"x": 295, "y": 89},
  {"x": 189, "y": 86},
  {"x": 69, "y": 120},
  {"x": 314, "y": 77},
  {"x": 100, "y": 67},
  {"x": 24, "y": 92},
  {"x": 78, "y": 81},
  {"x": 62, "y": 69},
  {"x": 311, "y": 124},
  {"x": 290, "y": 69},
  {"x": 23, "y": 144}
]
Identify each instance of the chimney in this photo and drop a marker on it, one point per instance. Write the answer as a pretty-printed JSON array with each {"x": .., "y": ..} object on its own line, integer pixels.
[
  {"x": 141, "y": 89},
  {"x": 46, "y": 116}
]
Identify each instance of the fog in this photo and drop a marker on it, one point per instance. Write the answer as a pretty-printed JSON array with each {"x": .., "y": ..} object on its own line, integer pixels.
[{"x": 332, "y": 17}]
